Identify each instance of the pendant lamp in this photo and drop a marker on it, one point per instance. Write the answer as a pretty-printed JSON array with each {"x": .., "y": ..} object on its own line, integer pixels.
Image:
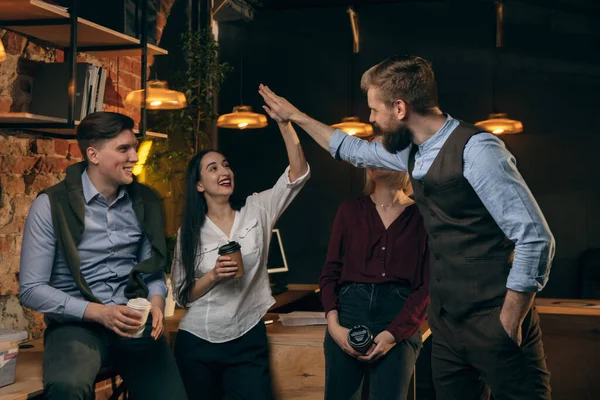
[
  {"x": 499, "y": 123},
  {"x": 352, "y": 125},
  {"x": 159, "y": 97},
  {"x": 242, "y": 116}
]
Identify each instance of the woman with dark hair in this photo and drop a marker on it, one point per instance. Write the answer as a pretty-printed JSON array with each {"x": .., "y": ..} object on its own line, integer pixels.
[
  {"x": 222, "y": 342},
  {"x": 376, "y": 275}
]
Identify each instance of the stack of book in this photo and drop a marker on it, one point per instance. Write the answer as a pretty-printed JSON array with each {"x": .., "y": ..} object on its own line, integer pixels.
[{"x": 50, "y": 90}]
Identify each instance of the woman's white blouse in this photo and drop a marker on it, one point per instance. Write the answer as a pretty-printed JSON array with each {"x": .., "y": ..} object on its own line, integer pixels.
[{"x": 234, "y": 306}]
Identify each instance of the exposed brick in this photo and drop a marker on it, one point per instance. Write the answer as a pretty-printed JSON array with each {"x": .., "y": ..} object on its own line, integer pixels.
[
  {"x": 74, "y": 151},
  {"x": 12, "y": 184},
  {"x": 14, "y": 145},
  {"x": 53, "y": 164},
  {"x": 14, "y": 227},
  {"x": 165, "y": 6},
  {"x": 37, "y": 183},
  {"x": 17, "y": 164},
  {"x": 42, "y": 146},
  {"x": 18, "y": 243},
  {"x": 136, "y": 65},
  {"x": 9, "y": 284},
  {"x": 61, "y": 147},
  {"x": 125, "y": 64},
  {"x": 127, "y": 79},
  {"x": 6, "y": 214},
  {"x": 14, "y": 43},
  {"x": 5, "y": 103},
  {"x": 21, "y": 204},
  {"x": 60, "y": 55},
  {"x": 161, "y": 20},
  {"x": 159, "y": 33},
  {"x": 7, "y": 244}
]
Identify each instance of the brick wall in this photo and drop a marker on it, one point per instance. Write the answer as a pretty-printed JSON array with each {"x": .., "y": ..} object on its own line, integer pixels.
[{"x": 30, "y": 163}]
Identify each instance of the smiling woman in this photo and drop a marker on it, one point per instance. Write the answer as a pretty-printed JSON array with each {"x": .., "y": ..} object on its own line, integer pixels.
[{"x": 226, "y": 306}]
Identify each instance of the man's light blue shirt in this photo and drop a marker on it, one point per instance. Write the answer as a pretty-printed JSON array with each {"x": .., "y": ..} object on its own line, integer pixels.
[
  {"x": 111, "y": 245},
  {"x": 492, "y": 172}
]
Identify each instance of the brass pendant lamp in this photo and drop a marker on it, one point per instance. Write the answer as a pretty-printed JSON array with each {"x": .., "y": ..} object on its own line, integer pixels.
[
  {"x": 242, "y": 116},
  {"x": 352, "y": 125},
  {"x": 159, "y": 97},
  {"x": 499, "y": 123}
]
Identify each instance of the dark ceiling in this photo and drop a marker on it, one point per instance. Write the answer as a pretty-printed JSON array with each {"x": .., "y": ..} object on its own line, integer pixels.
[{"x": 570, "y": 6}]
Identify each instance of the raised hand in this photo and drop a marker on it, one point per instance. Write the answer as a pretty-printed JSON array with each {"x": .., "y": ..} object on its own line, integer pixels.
[{"x": 277, "y": 107}]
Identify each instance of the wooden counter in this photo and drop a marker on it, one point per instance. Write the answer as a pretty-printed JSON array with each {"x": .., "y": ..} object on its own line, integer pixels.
[
  {"x": 571, "y": 336},
  {"x": 298, "y": 361}
]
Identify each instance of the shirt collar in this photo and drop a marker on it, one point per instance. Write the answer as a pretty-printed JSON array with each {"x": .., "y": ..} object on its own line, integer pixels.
[
  {"x": 90, "y": 191},
  {"x": 448, "y": 126}
]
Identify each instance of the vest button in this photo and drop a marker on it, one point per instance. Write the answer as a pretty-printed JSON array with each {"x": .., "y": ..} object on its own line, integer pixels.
[
  {"x": 441, "y": 302},
  {"x": 437, "y": 256},
  {"x": 434, "y": 236},
  {"x": 432, "y": 214},
  {"x": 438, "y": 279}
]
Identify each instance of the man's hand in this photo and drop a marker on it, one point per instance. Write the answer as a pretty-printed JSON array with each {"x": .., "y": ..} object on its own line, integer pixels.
[
  {"x": 277, "y": 107},
  {"x": 340, "y": 335},
  {"x": 515, "y": 308},
  {"x": 512, "y": 326},
  {"x": 383, "y": 343},
  {"x": 120, "y": 319}
]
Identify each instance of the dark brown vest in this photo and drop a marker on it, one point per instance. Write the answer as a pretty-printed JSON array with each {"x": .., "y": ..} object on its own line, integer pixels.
[{"x": 470, "y": 255}]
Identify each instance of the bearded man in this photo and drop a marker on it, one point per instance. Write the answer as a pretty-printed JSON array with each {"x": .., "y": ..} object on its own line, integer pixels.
[{"x": 491, "y": 247}]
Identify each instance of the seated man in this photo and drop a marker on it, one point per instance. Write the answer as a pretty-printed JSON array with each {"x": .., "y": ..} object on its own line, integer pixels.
[{"x": 90, "y": 243}]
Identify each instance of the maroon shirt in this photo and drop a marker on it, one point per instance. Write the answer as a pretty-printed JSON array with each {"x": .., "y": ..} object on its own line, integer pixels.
[{"x": 361, "y": 250}]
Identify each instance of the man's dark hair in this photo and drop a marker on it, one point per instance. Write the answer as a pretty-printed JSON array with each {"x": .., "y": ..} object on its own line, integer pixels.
[{"x": 98, "y": 127}]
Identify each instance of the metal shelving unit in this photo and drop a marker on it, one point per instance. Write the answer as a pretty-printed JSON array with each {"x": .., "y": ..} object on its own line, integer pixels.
[{"x": 64, "y": 29}]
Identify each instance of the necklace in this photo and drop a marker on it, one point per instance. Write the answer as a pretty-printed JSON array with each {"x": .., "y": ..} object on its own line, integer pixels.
[{"x": 384, "y": 205}]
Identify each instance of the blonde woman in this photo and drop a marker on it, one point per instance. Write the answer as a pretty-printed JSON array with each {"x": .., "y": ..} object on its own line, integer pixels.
[{"x": 377, "y": 275}]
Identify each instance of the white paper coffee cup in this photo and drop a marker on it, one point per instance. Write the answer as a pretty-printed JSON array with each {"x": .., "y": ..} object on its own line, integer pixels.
[{"x": 143, "y": 306}]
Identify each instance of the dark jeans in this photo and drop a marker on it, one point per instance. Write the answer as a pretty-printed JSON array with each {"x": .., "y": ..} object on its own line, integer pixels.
[
  {"x": 238, "y": 368},
  {"x": 75, "y": 352},
  {"x": 376, "y": 306},
  {"x": 475, "y": 355}
]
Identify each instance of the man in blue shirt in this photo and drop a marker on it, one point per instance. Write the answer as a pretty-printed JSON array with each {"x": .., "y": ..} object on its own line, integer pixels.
[
  {"x": 491, "y": 248},
  {"x": 89, "y": 244}
]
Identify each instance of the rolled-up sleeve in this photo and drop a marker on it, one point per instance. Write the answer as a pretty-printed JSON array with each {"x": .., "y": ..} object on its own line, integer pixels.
[
  {"x": 492, "y": 172},
  {"x": 37, "y": 260},
  {"x": 274, "y": 201},
  {"x": 363, "y": 154}
]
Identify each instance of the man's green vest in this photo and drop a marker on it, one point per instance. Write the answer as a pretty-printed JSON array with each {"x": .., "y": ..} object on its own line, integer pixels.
[{"x": 68, "y": 214}]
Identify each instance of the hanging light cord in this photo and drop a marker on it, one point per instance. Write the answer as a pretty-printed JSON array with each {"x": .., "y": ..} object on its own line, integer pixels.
[
  {"x": 499, "y": 8},
  {"x": 241, "y": 74}
]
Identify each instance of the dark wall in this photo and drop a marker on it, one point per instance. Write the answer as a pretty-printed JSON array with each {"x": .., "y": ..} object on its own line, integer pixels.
[{"x": 548, "y": 77}]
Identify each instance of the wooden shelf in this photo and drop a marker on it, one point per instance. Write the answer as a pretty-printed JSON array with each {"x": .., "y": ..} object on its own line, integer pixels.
[
  {"x": 27, "y": 118},
  {"x": 89, "y": 34}
]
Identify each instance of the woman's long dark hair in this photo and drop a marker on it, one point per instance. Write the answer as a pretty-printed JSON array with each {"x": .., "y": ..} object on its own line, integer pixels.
[{"x": 194, "y": 215}]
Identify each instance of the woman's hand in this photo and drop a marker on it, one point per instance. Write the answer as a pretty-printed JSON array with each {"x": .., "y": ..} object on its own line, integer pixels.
[
  {"x": 383, "y": 343},
  {"x": 224, "y": 268},
  {"x": 340, "y": 335}
]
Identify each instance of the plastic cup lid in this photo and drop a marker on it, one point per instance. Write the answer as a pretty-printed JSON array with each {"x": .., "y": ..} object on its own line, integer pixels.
[
  {"x": 12, "y": 335},
  {"x": 229, "y": 248}
]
